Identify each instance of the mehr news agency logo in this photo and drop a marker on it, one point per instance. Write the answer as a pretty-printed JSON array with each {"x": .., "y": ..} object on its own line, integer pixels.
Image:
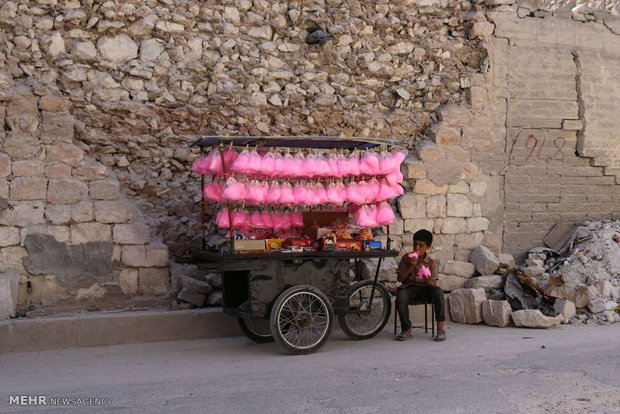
[{"x": 42, "y": 400}]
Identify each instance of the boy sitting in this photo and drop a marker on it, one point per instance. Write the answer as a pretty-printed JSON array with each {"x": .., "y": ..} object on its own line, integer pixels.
[{"x": 417, "y": 272}]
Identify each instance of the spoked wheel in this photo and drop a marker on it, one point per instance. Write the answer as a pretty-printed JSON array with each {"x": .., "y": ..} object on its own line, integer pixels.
[
  {"x": 257, "y": 330},
  {"x": 364, "y": 321},
  {"x": 301, "y": 319}
]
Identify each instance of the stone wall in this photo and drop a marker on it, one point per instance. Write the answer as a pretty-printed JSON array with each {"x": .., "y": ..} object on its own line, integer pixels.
[
  {"x": 507, "y": 109},
  {"x": 51, "y": 186}
]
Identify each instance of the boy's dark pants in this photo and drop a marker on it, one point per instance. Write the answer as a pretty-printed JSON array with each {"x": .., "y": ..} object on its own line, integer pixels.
[{"x": 409, "y": 293}]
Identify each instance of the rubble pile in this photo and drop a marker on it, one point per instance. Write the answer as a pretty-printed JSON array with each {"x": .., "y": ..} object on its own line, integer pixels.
[
  {"x": 574, "y": 279},
  {"x": 195, "y": 288}
]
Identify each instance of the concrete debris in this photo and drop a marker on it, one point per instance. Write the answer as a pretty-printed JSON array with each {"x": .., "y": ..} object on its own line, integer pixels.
[
  {"x": 533, "y": 318},
  {"x": 484, "y": 260},
  {"x": 486, "y": 282},
  {"x": 466, "y": 305},
  {"x": 566, "y": 308},
  {"x": 191, "y": 296},
  {"x": 496, "y": 313}
]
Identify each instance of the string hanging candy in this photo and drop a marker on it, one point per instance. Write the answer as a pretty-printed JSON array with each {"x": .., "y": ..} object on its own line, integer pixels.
[
  {"x": 278, "y": 165},
  {"x": 289, "y": 166},
  {"x": 354, "y": 164},
  {"x": 286, "y": 194},
  {"x": 366, "y": 217},
  {"x": 320, "y": 192},
  {"x": 256, "y": 220},
  {"x": 394, "y": 177},
  {"x": 273, "y": 195},
  {"x": 222, "y": 219},
  {"x": 298, "y": 165},
  {"x": 297, "y": 219},
  {"x": 300, "y": 194},
  {"x": 254, "y": 163},
  {"x": 322, "y": 167},
  {"x": 230, "y": 155},
  {"x": 353, "y": 193},
  {"x": 267, "y": 165},
  {"x": 241, "y": 162},
  {"x": 335, "y": 194},
  {"x": 309, "y": 167},
  {"x": 233, "y": 190},
  {"x": 213, "y": 191},
  {"x": 369, "y": 164},
  {"x": 344, "y": 168},
  {"x": 240, "y": 220},
  {"x": 267, "y": 220},
  {"x": 256, "y": 192},
  {"x": 333, "y": 165},
  {"x": 385, "y": 215}
]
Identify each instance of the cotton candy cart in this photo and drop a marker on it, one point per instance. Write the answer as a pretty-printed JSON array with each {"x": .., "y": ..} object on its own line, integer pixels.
[{"x": 292, "y": 298}]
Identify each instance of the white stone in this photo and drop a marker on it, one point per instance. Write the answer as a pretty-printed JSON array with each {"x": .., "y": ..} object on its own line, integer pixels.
[
  {"x": 496, "y": 313},
  {"x": 84, "y": 51},
  {"x": 533, "y": 318},
  {"x": 457, "y": 268},
  {"x": 57, "y": 45},
  {"x": 484, "y": 260},
  {"x": 90, "y": 232},
  {"x": 436, "y": 206},
  {"x": 477, "y": 224},
  {"x": 135, "y": 233},
  {"x": 466, "y": 305},
  {"x": 262, "y": 32},
  {"x": 402, "y": 48},
  {"x": 9, "y": 236},
  {"x": 459, "y": 205},
  {"x": 411, "y": 206},
  {"x": 117, "y": 49},
  {"x": 128, "y": 281},
  {"x": 506, "y": 260},
  {"x": 565, "y": 307},
  {"x": 7, "y": 307},
  {"x": 451, "y": 225},
  {"x": 449, "y": 283},
  {"x": 486, "y": 282},
  {"x": 150, "y": 49}
]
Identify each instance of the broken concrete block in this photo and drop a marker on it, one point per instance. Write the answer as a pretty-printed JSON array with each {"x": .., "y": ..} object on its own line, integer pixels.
[
  {"x": 506, "y": 260},
  {"x": 565, "y": 307},
  {"x": 534, "y": 270},
  {"x": 606, "y": 289},
  {"x": 215, "y": 298},
  {"x": 533, "y": 318},
  {"x": 486, "y": 282},
  {"x": 457, "y": 268},
  {"x": 193, "y": 297},
  {"x": 448, "y": 283},
  {"x": 466, "y": 305},
  {"x": 597, "y": 305},
  {"x": 496, "y": 312},
  {"x": 484, "y": 260},
  {"x": 195, "y": 285}
]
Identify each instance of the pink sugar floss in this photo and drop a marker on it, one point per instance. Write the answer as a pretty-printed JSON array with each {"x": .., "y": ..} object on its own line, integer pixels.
[
  {"x": 424, "y": 273},
  {"x": 413, "y": 255}
]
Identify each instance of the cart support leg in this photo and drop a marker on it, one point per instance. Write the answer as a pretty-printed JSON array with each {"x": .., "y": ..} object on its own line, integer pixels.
[{"x": 372, "y": 292}]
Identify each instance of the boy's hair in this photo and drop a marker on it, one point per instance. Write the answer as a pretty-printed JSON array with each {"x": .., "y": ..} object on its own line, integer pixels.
[{"x": 423, "y": 236}]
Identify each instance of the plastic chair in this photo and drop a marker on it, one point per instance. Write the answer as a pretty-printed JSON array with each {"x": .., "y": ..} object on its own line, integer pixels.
[{"x": 426, "y": 303}]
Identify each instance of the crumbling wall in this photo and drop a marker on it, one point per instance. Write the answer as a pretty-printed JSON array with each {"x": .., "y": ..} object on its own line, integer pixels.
[
  {"x": 557, "y": 76},
  {"x": 64, "y": 223}
]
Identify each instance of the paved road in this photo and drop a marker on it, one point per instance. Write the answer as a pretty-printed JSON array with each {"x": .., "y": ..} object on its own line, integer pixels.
[{"x": 479, "y": 369}]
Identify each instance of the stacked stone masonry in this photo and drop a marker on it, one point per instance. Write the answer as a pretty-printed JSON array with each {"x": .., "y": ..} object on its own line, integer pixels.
[{"x": 509, "y": 117}]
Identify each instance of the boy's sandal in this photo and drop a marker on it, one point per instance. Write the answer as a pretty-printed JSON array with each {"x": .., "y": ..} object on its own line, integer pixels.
[
  {"x": 441, "y": 336},
  {"x": 404, "y": 336}
]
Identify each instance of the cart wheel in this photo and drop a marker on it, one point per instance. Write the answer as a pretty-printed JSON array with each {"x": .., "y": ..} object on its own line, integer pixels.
[
  {"x": 257, "y": 330},
  {"x": 301, "y": 319},
  {"x": 360, "y": 322}
]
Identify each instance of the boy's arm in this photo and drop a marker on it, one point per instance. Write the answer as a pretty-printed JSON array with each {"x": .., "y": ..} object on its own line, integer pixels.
[{"x": 403, "y": 271}]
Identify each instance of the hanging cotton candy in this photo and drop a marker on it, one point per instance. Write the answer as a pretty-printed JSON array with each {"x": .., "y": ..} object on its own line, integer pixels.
[
  {"x": 385, "y": 215},
  {"x": 424, "y": 273},
  {"x": 322, "y": 167},
  {"x": 332, "y": 166},
  {"x": 273, "y": 196},
  {"x": 267, "y": 219},
  {"x": 256, "y": 220},
  {"x": 256, "y": 192},
  {"x": 395, "y": 177},
  {"x": 354, "y": 164},
  {"x": 335, "y": 194},
  {"x": 300, "y": 193},
  {"x": 240, "y": 219},
  {"x": 230, "y": 155},
  {"x": 198, "y": 166},
  {"x": 369, "y": 164},
  {"x": 366, "y": 217},
  {"x": 213, "y": 191},
  {"x": 267, "y": 164},
  {"x": 240, "y": 165},
  {"x": 222, "y": 218},
  {"x": 254, "y": 163},
  {"x": 286, "y": 194},
  {"x": 353, "y": 193},
  {"x": 297, "y": 219},
  {"x": 321, "y": 194},
  {"x": 233, "y": 190},
  {"x": 278, "y": 165}
]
